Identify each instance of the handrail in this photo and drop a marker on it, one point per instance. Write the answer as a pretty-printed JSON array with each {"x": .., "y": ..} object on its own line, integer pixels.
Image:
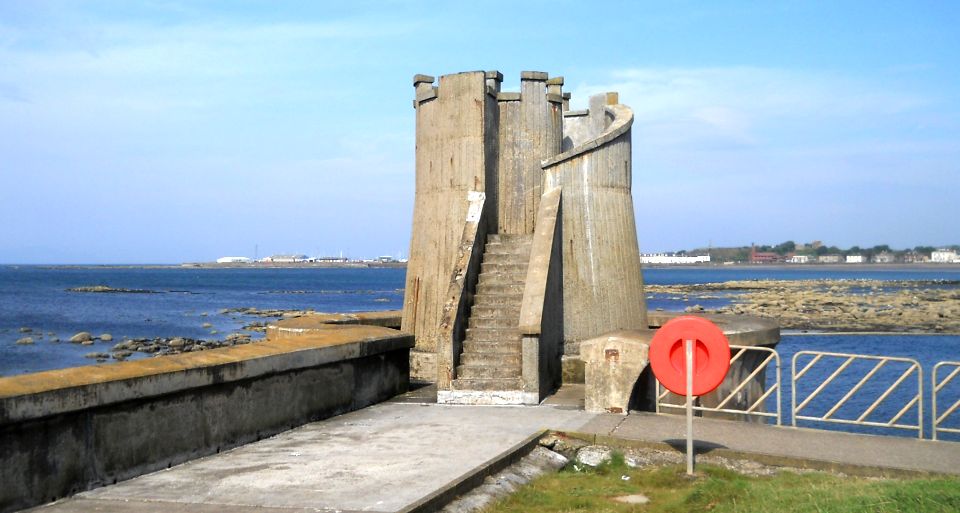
[
  {"x": 937, "y": 386},
  {"x": 535, "y": 285},
  {"x": 848, "y": 359}
]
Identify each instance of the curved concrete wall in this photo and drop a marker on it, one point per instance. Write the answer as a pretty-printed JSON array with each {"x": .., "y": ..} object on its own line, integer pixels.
[{"x": 602, "y": 282}]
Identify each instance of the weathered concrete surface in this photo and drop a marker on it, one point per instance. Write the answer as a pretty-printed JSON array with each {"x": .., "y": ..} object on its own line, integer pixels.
[
  {"x": 388, "y": 457},
  {"x": 455, "y": 155},
  {"x": 297, "y": 325},
  {"x": 613, "y": 363},
  {"x": 787, "y": 446},
  {"x": 69, "y": 430},
  {"x": 541, "y": 308},
  {"x": 602, "y": 283}
]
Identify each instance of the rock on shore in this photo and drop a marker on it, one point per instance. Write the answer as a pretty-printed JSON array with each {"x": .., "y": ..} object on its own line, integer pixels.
[{"x": 909, "y": 306}]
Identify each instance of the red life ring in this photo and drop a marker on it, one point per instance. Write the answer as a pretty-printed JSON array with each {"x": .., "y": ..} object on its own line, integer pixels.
[{"x": 711, "y": 357}]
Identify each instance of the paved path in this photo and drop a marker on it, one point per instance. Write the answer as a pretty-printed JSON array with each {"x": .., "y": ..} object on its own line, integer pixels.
[
  {"x": 389, "y": 457},
  {"x": 383, "y": 459}
]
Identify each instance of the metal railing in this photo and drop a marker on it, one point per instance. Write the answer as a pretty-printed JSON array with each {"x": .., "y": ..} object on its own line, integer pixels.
[
  {"x": 937, "y": 386},
  {"x": 848, "y": 359},
  {"x": 755, "y": 408}
]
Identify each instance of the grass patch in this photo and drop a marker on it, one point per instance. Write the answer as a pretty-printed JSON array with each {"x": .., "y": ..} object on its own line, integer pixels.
[{"x": 717, "y": 489}]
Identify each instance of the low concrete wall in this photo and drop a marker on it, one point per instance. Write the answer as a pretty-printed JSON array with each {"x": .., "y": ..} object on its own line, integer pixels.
[{"x": 65, "y": 431}]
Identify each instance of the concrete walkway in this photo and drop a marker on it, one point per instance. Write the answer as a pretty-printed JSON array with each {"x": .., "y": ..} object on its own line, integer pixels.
[{"x": 394, "y": 456}]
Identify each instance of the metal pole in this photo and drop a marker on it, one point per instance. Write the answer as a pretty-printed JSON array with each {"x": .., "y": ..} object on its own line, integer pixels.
[{"x": 688, "y": 348}]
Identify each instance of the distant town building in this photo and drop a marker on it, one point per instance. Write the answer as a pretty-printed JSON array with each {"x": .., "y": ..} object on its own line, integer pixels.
[
  {"x": 285, "y": 259},
  {"x": 763, "y": 257},
  {"x": 331, "y": 259},
  {"x": 854, "y": 259},
  {"x": 884, "y": 257},
  {"x": 912, "y": 257},
  {"x": 829, "y": 259},
  {"x": 799, "y": 259},
  {"x": 945, "y": 256},
  {"x": 669, "y": 258},
  {"x": 234, "y": 260}
]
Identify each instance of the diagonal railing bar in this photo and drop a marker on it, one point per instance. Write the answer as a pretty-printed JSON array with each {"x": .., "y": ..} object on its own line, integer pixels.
[
  {"x": 939, "y": 385},
  {"x": 746, "y": 381},
  {"x": 826, "y": 382},
  {"x": 913, "y": 401},
  {"x": 886, "y": 394},
  {"x": 809, "y": 365},
  {"x": 947, "y": 413},
  {"x": 855, "y": 389},
  {"x": 764, "y": 397}
]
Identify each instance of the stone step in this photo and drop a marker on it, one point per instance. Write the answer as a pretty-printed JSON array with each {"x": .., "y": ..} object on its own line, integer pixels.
[
  {"x": 493, "y": 322},
  {"x": 503, "y": 268},
  {"x": 506, "y": 258},
  {"x": 502, "y": 279},
  {"x": 481, "y": 334},
  {"x": 488, "y": 371},
  {"x": 509, "y": 359},
  {"x": 510, "y": 238},
  {"x": 488, "y": 311},
  {"x": 498, "y": 299},
  {"x": 491, "y": 346},
  {"x": 510, "y": 248},
  {"x": 501, "y": 384},
  {"x": 492, "y": 287}
]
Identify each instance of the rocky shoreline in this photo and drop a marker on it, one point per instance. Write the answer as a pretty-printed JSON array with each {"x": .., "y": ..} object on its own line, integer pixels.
[{"x": 901, "y": 306}]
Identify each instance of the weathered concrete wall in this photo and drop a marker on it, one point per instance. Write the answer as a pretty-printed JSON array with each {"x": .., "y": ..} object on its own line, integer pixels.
[
  {"x": 530, "y": 131},
  {"x": 541, "y": 310},
  {"x": 69, "y": 430},
  {"x": 602, "y": 283},
  {"x": 462, "y": 289},
  {"x": 455, "y": 155}
]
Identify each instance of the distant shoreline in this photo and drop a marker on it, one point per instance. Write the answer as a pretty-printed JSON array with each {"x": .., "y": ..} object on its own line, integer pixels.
[
  {"x": 403, "y": 265},
  {"x": 214, "y": 265},
  {"x": 829, "y": 267}
]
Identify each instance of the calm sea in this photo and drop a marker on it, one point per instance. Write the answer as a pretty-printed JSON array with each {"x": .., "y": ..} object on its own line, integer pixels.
[{"x": 183, "y": 300}]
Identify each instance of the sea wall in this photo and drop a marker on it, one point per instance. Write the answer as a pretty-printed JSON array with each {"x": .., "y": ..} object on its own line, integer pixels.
[{"x": 65, "y": 431}]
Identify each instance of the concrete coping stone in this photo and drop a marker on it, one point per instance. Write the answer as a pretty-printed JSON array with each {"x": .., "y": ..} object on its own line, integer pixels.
[
  {"x": 534, "y": 75},
  {"x": 555, "y": 81},
  {"x": 508, "y": 97},
  {"x": 576, "y": 113},
  {"x": 495, "y": 75},
  {"x": 418, "y": 78},
  {"x": 43, "y": 394},
  {"x": 744, "y": 330},
  {"x": 555, "y": 98},
  {"x": 426, "y": 94},
  {"x": 492, "y": 91},
  {"x": 567, "y": 96}
]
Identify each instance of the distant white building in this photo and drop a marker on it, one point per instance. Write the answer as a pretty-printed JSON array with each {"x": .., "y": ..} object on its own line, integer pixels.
[
  {"x": 829, "y": 259},
  {"x": 945, "y": 256},
  {"x": 285, "y": 259},
  {"x": 854, "y": 259},
  {"x": 665, "y": 258},
  {"x": 234, "y": 260},
  {"x": 799, "y": 259},
  {"x": 884, "y": 258}
]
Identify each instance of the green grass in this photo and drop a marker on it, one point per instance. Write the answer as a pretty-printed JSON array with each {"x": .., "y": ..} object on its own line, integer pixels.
[{"x": 717, "y": 489}]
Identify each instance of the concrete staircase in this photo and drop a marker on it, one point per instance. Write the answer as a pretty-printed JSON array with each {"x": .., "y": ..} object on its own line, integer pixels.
[{"x": 490, "y": 370}]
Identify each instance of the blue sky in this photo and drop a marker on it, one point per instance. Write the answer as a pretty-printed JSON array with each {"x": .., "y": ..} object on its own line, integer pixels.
[{"x": 161, "y": 131}]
